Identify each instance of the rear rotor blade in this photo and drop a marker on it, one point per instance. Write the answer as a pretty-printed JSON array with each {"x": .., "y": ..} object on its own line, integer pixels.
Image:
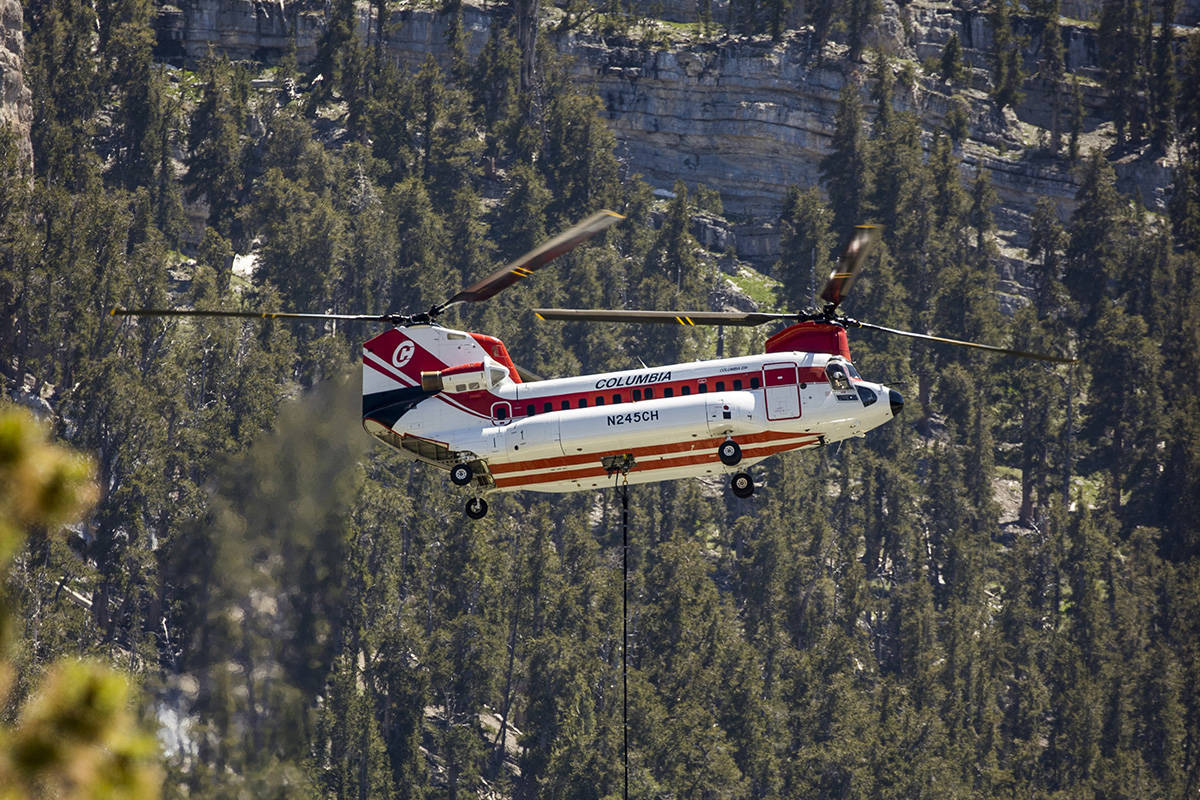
[
  {"x": 746, "y": 318},
  {"x": 200, "y": 312},
  {"x": 526, "y": 375},
  {"x": 959, "y": 342},
  {"x": 535, "y": 259},
  {"x": 840, "y": 281}
]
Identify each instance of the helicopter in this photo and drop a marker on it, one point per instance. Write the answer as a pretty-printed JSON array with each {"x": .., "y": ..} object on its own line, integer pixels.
[{"x": 457, "y": 401}]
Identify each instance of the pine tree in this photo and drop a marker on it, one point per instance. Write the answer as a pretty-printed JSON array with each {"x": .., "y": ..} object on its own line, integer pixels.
[
  {"x": 496, "y": 90},
  {"x": 951, "y": 64},
  {"x": 304, "y": 248},
  {"x": 983, "y": 200},
  {"x": 335, "y": 46},
  {"x": 580, "y": 166},
  {"x": 1053, "y": 70},
  {"x": 126, "y": 51},
  {"x": 1164, "y": 86},
  {"x": 215, "y": 148},
  {"x": 1122, "y": 44},
  {"x": 525, "y": 17},
  {"x": 1127, "y": 433},
  {"x": 63, "y": 78},
  {"x": 1095, "y": 230},
  {"x": 845, "y": 170},
  {"x": 1077, "y": 119},
  {"x": 448, "y": 144},
  {"x": 1008, "y": 69},
  {"x": 806, "y": 246}
]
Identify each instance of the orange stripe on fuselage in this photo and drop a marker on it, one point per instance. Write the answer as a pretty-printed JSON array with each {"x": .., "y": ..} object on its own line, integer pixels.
[
  {"x": 651, "y": 450},
  {"x": 668, "y": 463}
]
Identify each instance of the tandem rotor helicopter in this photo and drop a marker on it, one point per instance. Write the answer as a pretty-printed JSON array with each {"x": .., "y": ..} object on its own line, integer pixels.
[{"x": 455, "y": 399}]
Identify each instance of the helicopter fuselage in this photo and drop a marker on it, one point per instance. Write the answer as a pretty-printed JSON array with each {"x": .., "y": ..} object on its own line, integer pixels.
[{"x": 570, "y": 434}]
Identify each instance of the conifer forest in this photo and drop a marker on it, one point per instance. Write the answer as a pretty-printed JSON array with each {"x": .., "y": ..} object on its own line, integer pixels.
[{"x": 217, "y": 585}]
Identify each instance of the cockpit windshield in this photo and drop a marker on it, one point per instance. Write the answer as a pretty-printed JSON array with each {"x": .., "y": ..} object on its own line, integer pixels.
[{"x": 838, "y": 380}]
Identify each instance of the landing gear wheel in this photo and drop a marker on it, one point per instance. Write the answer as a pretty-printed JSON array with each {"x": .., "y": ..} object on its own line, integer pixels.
[
  {"x": 729, "y": 452},
  {"x": 476, "y": 508},
  {"x": 742, "y": 484},
  {"x": 461, "y": 474}
]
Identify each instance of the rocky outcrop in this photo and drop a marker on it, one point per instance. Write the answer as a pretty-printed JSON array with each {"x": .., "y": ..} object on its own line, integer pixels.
[
  {"x": 16, "y": 105},
  {"x": 743, "y": 115}
]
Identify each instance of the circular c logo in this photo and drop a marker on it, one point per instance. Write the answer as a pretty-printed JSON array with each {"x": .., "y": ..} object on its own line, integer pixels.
[{"x": 403, "y": 354}]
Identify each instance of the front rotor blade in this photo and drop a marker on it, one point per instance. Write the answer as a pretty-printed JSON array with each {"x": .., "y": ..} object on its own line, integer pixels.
[
  {"x": 840, "y": 281},
  {"x": 200, "y": 312},
  {"x": 535, "y": 259},
  {"x": 928, "y": 337},
  {"x": 746, "y": 318}
]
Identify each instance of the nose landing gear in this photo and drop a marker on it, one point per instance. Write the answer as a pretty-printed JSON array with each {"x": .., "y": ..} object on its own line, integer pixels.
[{"x": 742, "y": 484}]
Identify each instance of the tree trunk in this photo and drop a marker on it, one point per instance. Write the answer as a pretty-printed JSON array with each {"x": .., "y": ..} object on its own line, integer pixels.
[{"x": 526, "y": 13}]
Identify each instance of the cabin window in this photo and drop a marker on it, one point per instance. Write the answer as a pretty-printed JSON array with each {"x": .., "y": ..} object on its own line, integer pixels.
[
  {"x": 853, "y": 372},
  {"x": 755, "y": 383},
  {"x": 668, "y": 392},
  {"x": 566, "y": 404},
  {"x": 583, "y": 402},
  {"x": 529, "y": 411},
  {"x": 500, "y": 413},
  {"x": 649, "y": 394},
  {"x": 547, "y": 407},
  {"x": 720, "y": 386},
  {"x": 617, "y": 398},
  {"x": 599, "y": 399},
  {"x": 704, "y": 388},
  {"x": 737, "y": 384},
  {"x": 838, "y": 380},
  {"x": 687, "y": 389},
  {"x": 637, "y": 395}
]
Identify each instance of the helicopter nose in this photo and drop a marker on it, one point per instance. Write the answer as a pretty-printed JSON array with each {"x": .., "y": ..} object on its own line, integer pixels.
[{"x": 897, "y": 402}]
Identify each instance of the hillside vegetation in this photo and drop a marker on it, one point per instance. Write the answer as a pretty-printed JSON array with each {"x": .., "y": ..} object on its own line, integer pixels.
[{"x": 306, "y": 614}]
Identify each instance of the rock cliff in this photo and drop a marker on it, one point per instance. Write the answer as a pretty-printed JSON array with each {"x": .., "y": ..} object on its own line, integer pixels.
[
  {"x": 16, "y": 106},
  {"x": 744, "y": 115}
]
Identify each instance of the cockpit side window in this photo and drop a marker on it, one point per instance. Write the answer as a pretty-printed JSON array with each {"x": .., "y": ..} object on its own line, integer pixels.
[{"x": 838, "y": 380}]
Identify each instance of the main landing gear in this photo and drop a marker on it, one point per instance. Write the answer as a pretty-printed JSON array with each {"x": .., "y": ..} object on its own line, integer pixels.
[
  {"x": 742, "y": 484},
  {"x": 477, "y": 508},
  {"x": 461, "y": 474},
  {"x": 729, "y": 452}
]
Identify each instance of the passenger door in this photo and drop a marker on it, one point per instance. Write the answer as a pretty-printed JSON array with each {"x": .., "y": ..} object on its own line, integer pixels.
[{"x": 781, "y": 390}]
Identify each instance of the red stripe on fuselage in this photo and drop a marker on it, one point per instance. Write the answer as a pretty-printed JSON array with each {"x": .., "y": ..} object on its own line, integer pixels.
[
  {"x": 650, "y": 450},
  {"x": 668, "y": 463}
]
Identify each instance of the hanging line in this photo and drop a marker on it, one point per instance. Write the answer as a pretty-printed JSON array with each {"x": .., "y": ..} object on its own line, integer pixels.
[
  {"x": 625, "y": 624},
  {"x": 621, "y": 465}
]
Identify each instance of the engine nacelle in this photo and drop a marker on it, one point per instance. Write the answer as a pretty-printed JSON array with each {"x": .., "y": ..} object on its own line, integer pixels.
[{"x": 472, "y": 377}]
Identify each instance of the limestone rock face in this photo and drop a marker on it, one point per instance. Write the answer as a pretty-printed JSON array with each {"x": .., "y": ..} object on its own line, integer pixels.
[
  {"x": 744, "y": 115},
  {"x": 239, "y": 29},
  {"x": 16, "y": 105}
]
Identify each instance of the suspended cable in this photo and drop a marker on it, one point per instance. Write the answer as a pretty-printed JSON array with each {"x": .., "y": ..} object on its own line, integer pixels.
[
  {"x": 625, "y": 624},
  {"x": 621, "y": 465}
]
